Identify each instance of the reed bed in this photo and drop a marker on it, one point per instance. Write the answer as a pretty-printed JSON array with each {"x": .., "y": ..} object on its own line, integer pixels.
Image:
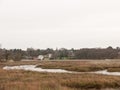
[{"x": 27, "y": 80}]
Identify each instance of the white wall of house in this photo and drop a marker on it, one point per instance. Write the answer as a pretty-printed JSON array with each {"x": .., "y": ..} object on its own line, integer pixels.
[{"x": 40, "y": 57}]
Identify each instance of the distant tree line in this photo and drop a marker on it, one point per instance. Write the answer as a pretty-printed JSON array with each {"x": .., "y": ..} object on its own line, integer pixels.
[{"x": 85, "y": 53}]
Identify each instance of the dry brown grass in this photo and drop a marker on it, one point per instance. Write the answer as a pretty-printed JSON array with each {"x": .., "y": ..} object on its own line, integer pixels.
[
  {"x": 71, "y": 65},
  {"x": 26, "y": 80},
  {"x": 2, "y": 64},
  {"x": 114, "y": 69},
  {"x": 82, "y": 66}
]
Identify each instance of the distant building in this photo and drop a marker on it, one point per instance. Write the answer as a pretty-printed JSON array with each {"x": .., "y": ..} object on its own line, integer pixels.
[
  {"x": 45, "y": 57},
  {"x": 41, "y": 57},
  {"x": 50, "y": 56}
]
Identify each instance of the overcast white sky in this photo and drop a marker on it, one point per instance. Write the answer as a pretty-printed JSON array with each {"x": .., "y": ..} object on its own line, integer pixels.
[{"x": 59, "y": 23}]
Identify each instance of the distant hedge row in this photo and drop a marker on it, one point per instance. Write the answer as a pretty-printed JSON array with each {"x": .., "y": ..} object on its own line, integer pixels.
[{"x": 85, "y": 53}]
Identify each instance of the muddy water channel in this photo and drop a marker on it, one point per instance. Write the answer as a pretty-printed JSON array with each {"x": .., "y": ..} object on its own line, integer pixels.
[{"x": 33, "y": 68}]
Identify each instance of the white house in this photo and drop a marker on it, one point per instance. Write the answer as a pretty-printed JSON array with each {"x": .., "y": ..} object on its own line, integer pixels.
[{"x": 41, "y": 57}]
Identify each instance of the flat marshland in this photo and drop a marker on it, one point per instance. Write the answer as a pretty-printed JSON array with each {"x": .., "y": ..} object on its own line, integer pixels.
[
  {"x": 28, "y": 80},
  {"x": 83, "y": 65}
]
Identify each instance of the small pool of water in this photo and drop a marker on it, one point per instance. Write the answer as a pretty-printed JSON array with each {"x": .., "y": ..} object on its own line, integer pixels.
[{"x": 33, "y": 68}]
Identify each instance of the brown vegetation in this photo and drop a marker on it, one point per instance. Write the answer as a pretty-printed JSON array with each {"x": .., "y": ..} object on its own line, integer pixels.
[
  {"x": 72, "y": 65},
  {"x": 114, "y": 69},
  {"x": 2, "y": 64},
  {"x": 82, "y": 65},
  {"x": 26, "y": 80}
]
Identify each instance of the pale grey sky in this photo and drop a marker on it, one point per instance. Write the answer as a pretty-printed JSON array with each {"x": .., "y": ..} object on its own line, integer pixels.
[{"x": 59, "y": 23}]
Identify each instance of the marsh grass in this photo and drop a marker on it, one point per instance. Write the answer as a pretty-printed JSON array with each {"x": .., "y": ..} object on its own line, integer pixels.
[
  {"x": 82, "y": 66},
  {"x": 114, "y": 69},
  {"x": 71, "y": 65},
  {"x": 27, "y": 80}
]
